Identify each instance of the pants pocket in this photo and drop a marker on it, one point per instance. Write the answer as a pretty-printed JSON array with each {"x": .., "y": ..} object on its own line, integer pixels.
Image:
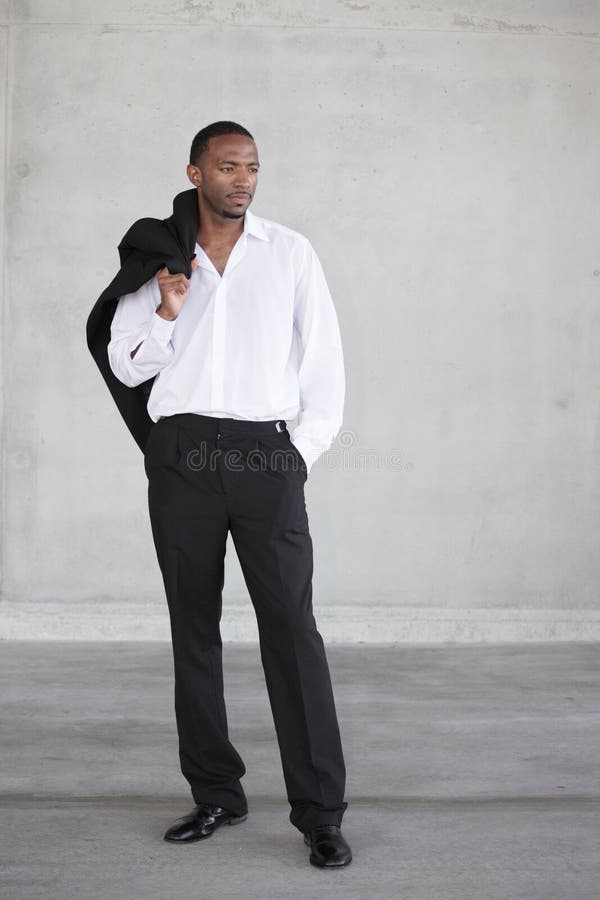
[
  {"x": 280, "y": 455},
  {"x": 162, "y": 446},
  {"x": 301, "y": 459}
]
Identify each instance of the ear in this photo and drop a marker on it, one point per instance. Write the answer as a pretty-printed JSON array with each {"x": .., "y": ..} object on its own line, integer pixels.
[{"x": 195, "y": 175}]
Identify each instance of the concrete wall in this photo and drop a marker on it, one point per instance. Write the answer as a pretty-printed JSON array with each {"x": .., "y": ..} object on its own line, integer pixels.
[{"x": 443, "y": 159}]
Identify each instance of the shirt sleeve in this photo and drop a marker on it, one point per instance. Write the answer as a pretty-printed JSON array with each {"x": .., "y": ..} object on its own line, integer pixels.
[
  {"x": 136, "y": 321},
  {"x": 321, "y": 372}
]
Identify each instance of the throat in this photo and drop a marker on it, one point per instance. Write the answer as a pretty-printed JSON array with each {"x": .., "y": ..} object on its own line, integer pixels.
[
  {"x": 218, "y": 255},
  {"x": 218, "y": 240},
  {"x": 218, "y": 248}
]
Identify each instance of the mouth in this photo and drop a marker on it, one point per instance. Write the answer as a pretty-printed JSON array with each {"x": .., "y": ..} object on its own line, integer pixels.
[{"x": 239, "y": 197}]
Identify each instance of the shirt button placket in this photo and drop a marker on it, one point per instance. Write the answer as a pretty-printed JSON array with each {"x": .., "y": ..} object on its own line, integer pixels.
[{"x": 219, "y": 325}]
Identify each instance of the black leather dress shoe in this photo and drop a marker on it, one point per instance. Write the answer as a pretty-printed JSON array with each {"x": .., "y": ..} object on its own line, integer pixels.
[
  {"x": 201, "y": 823},
  {"x": 328, "y": 849}
]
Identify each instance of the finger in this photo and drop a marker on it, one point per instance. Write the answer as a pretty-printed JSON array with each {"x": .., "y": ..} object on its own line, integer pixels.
[
  {"x": 170, "y": 282},
  {"x": 194, "y": 265}
]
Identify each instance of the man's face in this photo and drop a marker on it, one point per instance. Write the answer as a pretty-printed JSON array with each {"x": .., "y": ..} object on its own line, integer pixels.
[{"x": 226, "y": 174}]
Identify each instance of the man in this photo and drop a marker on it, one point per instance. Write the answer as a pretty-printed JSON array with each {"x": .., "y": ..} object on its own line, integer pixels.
[{"x": 245, "y": 340}]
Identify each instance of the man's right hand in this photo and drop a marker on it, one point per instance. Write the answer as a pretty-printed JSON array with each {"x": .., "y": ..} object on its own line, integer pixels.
[{"x": 173, "y": 292}]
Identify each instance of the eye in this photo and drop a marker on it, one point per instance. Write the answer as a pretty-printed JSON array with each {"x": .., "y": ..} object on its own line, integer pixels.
[{"x": 227, "y": 169}]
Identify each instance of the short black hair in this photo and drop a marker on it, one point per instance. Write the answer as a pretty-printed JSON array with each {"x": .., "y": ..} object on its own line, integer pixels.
[{"x": 200, "y": 142}]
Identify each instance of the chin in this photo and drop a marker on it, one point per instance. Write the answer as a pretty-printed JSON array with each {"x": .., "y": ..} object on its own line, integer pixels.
[{"x": 228, "y": 214}]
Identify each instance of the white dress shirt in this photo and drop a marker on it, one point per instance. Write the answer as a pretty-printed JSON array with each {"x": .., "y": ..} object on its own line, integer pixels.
[{"x": 260, "y": 342}]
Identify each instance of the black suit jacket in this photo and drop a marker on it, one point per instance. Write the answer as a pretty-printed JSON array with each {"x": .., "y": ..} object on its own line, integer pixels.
[{"x": 149, "y": 245}]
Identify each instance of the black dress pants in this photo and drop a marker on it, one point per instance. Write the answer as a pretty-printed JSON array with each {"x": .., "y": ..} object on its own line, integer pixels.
[{"x": 206, "y": 477}]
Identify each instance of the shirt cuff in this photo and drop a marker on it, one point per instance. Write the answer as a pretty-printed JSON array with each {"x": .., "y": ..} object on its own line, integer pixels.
[
  {"x": 307, "y": 450},
  {"x": 161, "y": 329}
]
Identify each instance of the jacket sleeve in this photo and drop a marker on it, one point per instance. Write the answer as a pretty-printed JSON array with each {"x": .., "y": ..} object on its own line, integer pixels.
[
  {"x": 135, "y": 321},
  {"x": 321, "y": 371}
]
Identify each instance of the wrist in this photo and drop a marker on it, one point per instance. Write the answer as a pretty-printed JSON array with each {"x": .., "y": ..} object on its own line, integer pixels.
[{"x": 165, "y": 314}]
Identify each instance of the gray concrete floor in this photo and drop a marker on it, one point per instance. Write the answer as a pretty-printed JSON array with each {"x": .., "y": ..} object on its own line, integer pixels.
[{"x": 472, "y": 773}]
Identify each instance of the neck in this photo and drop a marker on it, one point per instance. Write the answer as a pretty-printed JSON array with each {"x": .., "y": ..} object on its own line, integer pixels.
[{"x": 217, "y": 228}]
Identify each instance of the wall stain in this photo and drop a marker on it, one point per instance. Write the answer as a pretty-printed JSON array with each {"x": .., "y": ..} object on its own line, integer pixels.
[
  {"x": 564, "y": 402},
  {"x": 498, "y": 25},
  {"x": 380, "y": 51},
  {"x": 356, "y": 7},
  {"x": 195, "y": 7}
]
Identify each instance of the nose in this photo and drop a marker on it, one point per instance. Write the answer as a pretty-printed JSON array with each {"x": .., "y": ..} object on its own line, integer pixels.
[{"x": 243, "y": 181}]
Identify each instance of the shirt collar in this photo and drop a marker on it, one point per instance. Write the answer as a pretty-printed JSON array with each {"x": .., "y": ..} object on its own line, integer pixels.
[{"x": 254, "y": 225}]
